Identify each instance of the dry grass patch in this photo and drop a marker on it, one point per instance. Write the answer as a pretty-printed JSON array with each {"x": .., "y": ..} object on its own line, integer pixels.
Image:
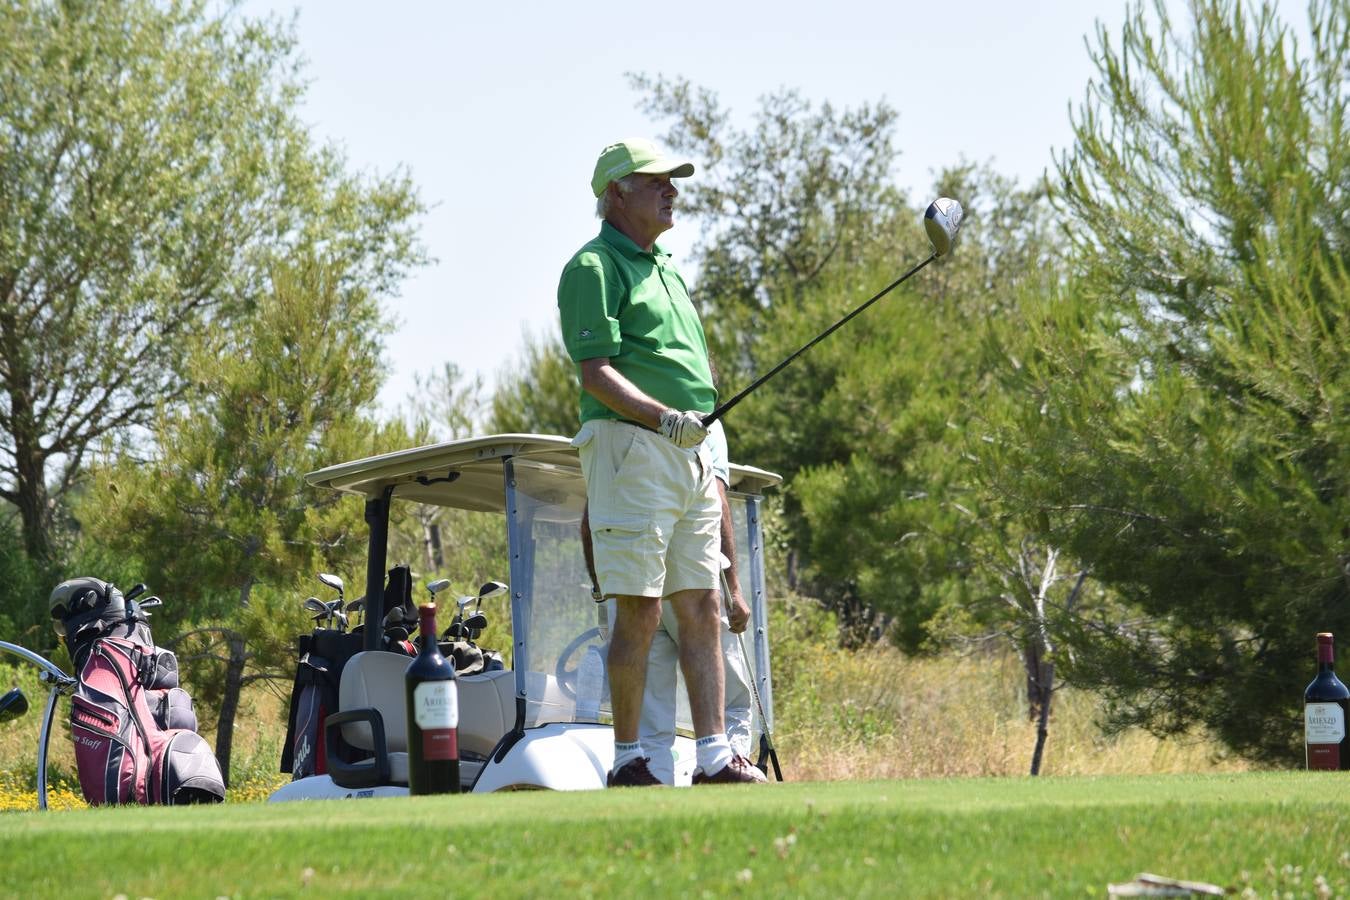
[{"x": 876, "y": 713}]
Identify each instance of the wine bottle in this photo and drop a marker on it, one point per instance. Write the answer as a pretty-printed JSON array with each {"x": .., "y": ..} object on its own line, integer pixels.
[
  {"x": 1326, "y": 706},
  {"x": 433, "y": 715}
]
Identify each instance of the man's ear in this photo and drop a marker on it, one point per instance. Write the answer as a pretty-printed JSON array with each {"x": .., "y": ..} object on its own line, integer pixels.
[{"x": 616, "y": 197}]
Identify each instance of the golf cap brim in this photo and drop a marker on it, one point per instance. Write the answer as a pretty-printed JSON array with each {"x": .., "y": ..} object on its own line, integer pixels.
[{"x": 635, "y": 155}]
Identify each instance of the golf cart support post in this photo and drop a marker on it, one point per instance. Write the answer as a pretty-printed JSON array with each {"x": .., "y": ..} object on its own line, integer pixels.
[{"x": 377, "y": 517}]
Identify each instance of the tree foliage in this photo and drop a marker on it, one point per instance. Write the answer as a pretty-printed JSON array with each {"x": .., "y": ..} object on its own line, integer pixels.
[
  {"x": 1183, "y": 400},
  {"x": 781, "y": 203},
  {"x": 151, "y": 167},
  {"x": 540, "y": 393},
  {"x": 440, "y": 542},
  {"x": 220, "y": 512}
]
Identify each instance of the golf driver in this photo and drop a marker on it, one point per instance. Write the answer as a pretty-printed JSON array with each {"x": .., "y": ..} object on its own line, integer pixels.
[
  {"x": 489, "y": 590},
  {"x": 473, "y": 625},
  {"x": 13, "y": 705},
  {"x": 355, "y": 606},
  {"x": 456, "y": 629},
  {"x": 316, "y": 606},
  {"x": 941, "y": 221},
  {"x": 333, "y": 582}
]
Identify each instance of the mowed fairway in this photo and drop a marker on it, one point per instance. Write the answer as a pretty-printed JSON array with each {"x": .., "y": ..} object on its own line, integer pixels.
[{"x": 966, "y": 837}]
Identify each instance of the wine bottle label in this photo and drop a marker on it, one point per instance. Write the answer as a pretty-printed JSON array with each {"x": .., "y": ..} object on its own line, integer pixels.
[
  {"x": 1324, "y": 723},
  {"x": 440, "y": 743},
  {"x": 1324, "y": 756},
  {"x": 436, "y": 705}
]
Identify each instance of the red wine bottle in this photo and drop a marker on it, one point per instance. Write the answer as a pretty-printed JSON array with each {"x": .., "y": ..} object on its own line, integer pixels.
[
  {"x": 433, "y": 715},
  {"x": 1326, "y": 707}
]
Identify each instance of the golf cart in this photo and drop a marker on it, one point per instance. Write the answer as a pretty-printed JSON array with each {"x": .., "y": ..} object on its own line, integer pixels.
[{"x": 524, "y": 727}]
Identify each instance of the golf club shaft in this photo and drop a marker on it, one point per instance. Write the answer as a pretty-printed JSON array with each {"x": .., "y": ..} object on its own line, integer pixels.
[
  {"x": 765, "y": 736},
  {"x": 726, "y": 407}
]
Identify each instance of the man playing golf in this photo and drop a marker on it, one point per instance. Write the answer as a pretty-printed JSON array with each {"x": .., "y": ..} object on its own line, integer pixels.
[{"x": 655, "y": 512}]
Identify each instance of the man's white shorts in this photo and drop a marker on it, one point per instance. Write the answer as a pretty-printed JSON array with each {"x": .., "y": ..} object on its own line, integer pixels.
[{"x": 655, "y": 511}]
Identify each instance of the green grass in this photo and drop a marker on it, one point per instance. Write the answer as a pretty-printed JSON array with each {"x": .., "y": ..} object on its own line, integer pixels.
[{"x": 1262, "y": 833}]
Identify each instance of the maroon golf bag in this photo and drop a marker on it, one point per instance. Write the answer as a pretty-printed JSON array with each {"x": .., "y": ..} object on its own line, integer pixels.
[{"x": 133, "y": 727}]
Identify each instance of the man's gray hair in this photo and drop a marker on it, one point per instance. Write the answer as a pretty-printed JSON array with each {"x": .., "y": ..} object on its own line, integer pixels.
[{"x": 626, "y": 185}]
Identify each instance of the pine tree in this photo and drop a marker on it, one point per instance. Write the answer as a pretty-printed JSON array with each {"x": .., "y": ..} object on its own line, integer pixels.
[{"x": 1182, "y": 429}]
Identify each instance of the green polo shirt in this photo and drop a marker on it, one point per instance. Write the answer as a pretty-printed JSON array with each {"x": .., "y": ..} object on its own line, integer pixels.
[{"x": 616, "y": 300}]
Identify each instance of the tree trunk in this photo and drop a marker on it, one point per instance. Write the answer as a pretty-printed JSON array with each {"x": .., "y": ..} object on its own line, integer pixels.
[
  {"x": 229, "y": 702},
  {"x": 1044, "y": 694},
  {"x": 30, "y": 483},
  {"x": 1041, "y": 670},
  {"x": 1033, "y": 661},
  {"x": 432, "y": 541},
  {"x": 34, "y": 506},
  {"x": 30, "y": 461}
]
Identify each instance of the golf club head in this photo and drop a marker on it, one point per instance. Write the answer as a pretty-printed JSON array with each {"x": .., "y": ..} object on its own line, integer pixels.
[
  {"x": 358, "y": 603},
  {"x": 463, "y": 602},
  {"x": 437, "y": 586},
  {"x": 475, "y": 622},
  {"x": 332, "y": 581},
  {"x": 941, "y": 220},
  {"x": 492, "y": 589},
  {"x": 13, "y": 705},
  {"x": 136, "y": 591},
  {"x": 315, "y": 605}
]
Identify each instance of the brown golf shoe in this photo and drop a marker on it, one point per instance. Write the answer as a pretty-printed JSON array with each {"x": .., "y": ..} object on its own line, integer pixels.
[
  {"x": 739, "y": 771},
  {"x": 633, "y": 773}
]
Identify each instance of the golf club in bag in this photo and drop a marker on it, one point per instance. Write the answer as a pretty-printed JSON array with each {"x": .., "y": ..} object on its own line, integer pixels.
[
  {"x": 134, "y": 728},
  {"x": 941, "y": 221},
  {"x": 459, "y": 641},
  {"x": 322, "y": 655}
]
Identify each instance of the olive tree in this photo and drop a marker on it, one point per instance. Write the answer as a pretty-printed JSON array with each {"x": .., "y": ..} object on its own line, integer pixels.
[{"x": 152, "y": 164}]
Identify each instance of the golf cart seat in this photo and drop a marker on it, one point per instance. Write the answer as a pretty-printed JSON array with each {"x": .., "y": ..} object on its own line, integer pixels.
[
  {"x": 487, "y": 710},
  {"x": 373, "y": 717}
]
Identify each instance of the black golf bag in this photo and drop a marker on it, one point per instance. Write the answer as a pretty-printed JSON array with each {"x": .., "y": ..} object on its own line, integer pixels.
[
  {"x": 134, "y": 728},
  {"x": 323, "y": 653}
]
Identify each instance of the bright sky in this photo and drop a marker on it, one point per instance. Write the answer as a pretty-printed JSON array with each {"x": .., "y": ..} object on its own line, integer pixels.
[{"x": 498, "y": 111}]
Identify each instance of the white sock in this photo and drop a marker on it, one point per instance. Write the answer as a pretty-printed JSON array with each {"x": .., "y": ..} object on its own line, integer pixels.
[
  {"x": 713, "y": 752},
  {"x": 626, "y": 753}
]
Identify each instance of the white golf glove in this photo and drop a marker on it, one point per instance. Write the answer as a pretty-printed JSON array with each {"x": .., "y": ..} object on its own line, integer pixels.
[{"x": 683, "y": 429}]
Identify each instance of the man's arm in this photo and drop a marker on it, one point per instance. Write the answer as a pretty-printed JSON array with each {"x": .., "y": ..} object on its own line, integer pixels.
[
  {"x": 608, "y": 385},
  {"x": 738, "y": 613}
]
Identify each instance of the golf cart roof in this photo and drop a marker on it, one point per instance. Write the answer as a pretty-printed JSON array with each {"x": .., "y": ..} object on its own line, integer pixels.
[{"x": 467, "y": 474}]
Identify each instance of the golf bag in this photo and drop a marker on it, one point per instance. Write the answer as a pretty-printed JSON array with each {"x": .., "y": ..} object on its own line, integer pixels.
[
  {"x": 134, "y": 728},
  {"x": 323, "y": 654}
]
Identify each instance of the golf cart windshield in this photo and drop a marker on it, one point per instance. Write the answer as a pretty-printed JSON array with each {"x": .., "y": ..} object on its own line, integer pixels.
[{"x": 536, "y": 482}]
